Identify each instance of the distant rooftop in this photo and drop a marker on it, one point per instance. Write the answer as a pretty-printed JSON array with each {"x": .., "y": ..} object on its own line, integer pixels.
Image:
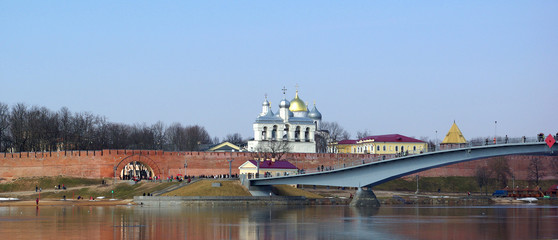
[
  {"x": 454, "y": 135},
  {"x": 268, "y": 164},
  {"x": 382, "y": 138}
]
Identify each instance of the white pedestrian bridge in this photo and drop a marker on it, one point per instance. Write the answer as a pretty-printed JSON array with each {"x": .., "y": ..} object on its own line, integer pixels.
[{"x": 374, "y": 173}]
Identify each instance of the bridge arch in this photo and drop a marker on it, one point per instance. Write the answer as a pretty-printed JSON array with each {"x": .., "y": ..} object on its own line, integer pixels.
[{"x": 148, "y": 162}]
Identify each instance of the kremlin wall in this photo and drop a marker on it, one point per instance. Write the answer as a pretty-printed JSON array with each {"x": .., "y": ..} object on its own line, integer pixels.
[{"x": 102, "y": 164}]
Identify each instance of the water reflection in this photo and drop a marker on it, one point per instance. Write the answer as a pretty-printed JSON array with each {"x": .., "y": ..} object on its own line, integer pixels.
[{"x": 279, "y": 222}]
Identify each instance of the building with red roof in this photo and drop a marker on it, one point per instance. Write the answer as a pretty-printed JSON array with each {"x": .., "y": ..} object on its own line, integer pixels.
[
  {"x": 270, "y": 167},
  {"x": 388, "y": 144}
]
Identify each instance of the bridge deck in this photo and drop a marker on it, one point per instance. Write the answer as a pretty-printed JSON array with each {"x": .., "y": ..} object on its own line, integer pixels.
[{"x": 374, "y": 173}]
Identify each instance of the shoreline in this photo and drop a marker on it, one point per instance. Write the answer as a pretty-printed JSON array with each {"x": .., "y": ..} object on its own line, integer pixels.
[
  {"x": 234, "y": 201},
  {"x": 53, "y": 202}
]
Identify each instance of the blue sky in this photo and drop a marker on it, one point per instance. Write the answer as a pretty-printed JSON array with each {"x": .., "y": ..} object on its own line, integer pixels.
[{"x": 404, "y": 67}]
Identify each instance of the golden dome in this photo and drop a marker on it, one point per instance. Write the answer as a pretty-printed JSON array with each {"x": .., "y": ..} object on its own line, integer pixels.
[{"x": 297, "y": 105}]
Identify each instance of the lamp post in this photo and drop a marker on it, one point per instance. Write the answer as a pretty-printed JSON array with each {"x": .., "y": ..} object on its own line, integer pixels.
[
  {"x": 436, "y": 141},
  {"x": 495, "y": 124},
  {"x": 185, "y": 166},
  {"x": 230, "y": 167},
  {"x": 258, "y": 168},
  {"x": 115, "y": 168},
  {"x": 417, "y": 185}
]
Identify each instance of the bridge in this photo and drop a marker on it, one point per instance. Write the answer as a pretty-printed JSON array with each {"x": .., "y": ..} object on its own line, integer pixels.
[
  {"x": 374, "y": 173},
  {"x": 371, "y": 174}
]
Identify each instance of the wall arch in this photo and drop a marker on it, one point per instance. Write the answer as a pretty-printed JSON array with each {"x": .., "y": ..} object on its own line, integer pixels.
[{"x": 142, "y": 159}]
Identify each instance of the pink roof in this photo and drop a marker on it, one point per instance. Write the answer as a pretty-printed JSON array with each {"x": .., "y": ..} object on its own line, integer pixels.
[
  {"x": 382, "y": 138},
  {"x": 347, "y": 142},
  {"x": 276, "y": 165},
  {"x": 390, "y": 138}
]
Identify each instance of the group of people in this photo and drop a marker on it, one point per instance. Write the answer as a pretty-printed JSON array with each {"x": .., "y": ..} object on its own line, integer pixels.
[
  {"x": 321, "y": 168},
  {"x": 541, "y": 137},
  {"x": 56, "y": 187}
]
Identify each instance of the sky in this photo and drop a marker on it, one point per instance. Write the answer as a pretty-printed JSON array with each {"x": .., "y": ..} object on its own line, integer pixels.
[{"x": 406, "y": 67}]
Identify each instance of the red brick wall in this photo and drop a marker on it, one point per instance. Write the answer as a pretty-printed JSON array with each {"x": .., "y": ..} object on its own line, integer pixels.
[
  {"x": 96, "y": 164},
  {"x": 519, "y": 165}
]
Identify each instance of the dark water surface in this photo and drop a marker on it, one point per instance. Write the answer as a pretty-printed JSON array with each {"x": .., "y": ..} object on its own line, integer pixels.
[{"x": 279, "y": 222}]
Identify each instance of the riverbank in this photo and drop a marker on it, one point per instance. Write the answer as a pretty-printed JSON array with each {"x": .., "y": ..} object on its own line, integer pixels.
[
  {"x": 222, "y": 192},
  {"x": 50, "y": 202}
]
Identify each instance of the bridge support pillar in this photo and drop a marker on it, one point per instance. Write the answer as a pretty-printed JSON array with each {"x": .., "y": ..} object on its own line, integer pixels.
[{"x": 365, "y": 198}]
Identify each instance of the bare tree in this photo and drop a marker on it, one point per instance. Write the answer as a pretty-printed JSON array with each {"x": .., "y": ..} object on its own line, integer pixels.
[
  {"x": 537, "y": 170},
  {"x": 117, "y": 135},
  {"x": 235, "y": 139},
  {"x": 39, "y": 129},
  {"x": 430, "y": 142},
  {"x": 336, "y": 132},
  {"x": 18, "y": 127},
  {"x": 42, "y": 129},
  {"x": 554, "y": 167},
  {"x": 260, "y": 153},
  {"x": 278, "y": 148},
  {"x": 4, "y": 127},
  {"x": 362, "y": 134},
  {"x": 500, "y": 170},
  {"x": 65, "y": 127},
  {"x": 141, "y": 137},
  {"x": 271, "y": 150},
  {"x": 176, "y": 136},
  {"x": 482, "y": 176},
  {"x": 195, "y": 136},
  {"x": 158, "y": 134},
  {"x": 84, "y": 126},
  {"x": 321, "y": 141}
]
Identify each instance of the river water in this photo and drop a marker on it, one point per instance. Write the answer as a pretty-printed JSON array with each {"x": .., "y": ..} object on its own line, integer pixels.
[{"x": 279, "y": 222}]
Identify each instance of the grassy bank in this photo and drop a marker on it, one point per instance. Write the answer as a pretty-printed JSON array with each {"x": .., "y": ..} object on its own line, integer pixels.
[
  {"x": 286, "y": 190},
  {"x": 233, "y": 188},
  {"x": 118, "y": 191},
  {"x": 24, "y": 188},
  {"x": 452, "y": 185},
  {"x": 29, "y": 184},
  {"x": 206, "y": 188}
]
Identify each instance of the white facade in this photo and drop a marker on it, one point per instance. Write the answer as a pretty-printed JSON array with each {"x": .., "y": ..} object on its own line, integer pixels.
[{"x": 293, "y": 124}]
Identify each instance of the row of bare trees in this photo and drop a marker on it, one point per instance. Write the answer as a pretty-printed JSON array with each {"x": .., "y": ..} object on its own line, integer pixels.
[
  {"x": 24, "y": 128},
  {"x": 499, "y": 172}
]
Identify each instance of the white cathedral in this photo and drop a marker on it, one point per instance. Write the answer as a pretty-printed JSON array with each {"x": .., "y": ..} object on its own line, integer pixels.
[{"x": 293, "y": 124}]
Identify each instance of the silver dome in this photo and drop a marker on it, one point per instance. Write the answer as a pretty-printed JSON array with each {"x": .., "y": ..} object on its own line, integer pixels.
[
  {"x": 284, "y": 103},
  {"x": 265, "y": 103},
  {"x": 315, "y": 114}
]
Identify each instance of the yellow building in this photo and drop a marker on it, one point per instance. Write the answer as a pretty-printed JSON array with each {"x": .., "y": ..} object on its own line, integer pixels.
[
  {"x": 343, "y": 146},
  {"x": 381, "y": 144},
  {"x": 454, "y": 138},
  {"x": 269, "y": 167}
]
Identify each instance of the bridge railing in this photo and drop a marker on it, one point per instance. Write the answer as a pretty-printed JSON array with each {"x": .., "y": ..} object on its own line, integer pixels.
[{"x": 345, "y": 163}]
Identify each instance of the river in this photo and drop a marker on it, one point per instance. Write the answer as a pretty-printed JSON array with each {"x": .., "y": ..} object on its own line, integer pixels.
[{"x": 280, "y": 222}]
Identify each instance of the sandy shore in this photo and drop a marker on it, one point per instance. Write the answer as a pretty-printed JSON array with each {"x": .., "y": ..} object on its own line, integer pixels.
[{"x": 51, "y": 202}]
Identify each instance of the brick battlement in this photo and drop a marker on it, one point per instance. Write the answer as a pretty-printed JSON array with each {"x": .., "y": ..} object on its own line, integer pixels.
[{"x": 102, "y": 164}]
